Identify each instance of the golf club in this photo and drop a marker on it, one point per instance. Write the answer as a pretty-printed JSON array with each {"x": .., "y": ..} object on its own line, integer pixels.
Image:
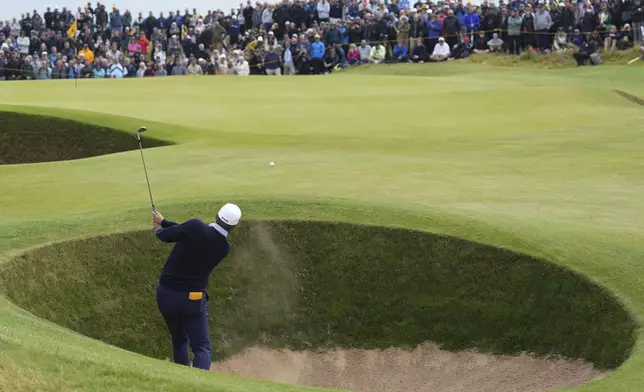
[
  {"x": 138, "y": 137},
  {"x": 630, "y": 97}
]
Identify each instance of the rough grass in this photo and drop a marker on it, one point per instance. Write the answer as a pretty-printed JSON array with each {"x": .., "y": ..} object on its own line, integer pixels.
[
  {"x": 310, "y": 285},
  {"x": 29, "y": 138}
]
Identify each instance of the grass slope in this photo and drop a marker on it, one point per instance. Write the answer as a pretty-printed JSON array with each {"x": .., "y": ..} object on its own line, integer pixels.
[
  {"x": 307, "y": 285},
  {"x": 544, "y": 162},
  {"x": 28, "y": 139}
]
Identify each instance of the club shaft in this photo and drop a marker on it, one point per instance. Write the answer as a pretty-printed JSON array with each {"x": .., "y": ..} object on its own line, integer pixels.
[{"x": 147, "y": 179}]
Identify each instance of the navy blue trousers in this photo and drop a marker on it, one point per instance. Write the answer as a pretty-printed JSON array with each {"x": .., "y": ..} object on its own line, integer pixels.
[{"x": 187, "y": 321}]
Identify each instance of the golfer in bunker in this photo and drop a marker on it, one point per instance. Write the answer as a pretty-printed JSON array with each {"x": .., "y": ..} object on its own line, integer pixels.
[{"x": 181, "y": 293}]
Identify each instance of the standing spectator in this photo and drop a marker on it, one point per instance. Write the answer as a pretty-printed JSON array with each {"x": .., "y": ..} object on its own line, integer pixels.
[
  {"x": 515, "y": 21},
  {"x": 441, "y": 50},
  {"x": 324, "y": 9},
  {"x": 542, "y": 24},
  {"x": 272, "y": 62},
  {"x": 288, "y": 59},
  {"x": 218, "y": 35},
  {"x": 418, "y": 30},
  {"x": 604, "y": 19},
  {"x": 402, "y": 29},
  {"x": 451, "y": 29},
  {"x": 317, "y": 54},
  {"x": 419, "y": 54},
  {"x": 24, "y": 43},
  {"x": 527, "y": 29},
  {"x": 588, "y": 20},
  {"x": 471, "y": 21},
  {"x": 116, "y": 21},
  {"x": 267, "y": 17},
  {"x": 143, "y": 43}
]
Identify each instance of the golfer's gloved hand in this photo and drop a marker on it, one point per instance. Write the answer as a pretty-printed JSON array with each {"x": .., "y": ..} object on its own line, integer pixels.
[{"x": 157, "y": 219}]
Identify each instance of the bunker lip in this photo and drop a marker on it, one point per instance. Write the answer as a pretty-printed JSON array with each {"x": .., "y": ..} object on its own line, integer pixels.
[
  {"x": 425, "y": 368},
  {"x": 314, "y": 286},
  {"x": 27, "y": 138}
]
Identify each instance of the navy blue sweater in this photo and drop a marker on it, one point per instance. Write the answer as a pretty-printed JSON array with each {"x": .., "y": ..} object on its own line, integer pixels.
[{"x": 198, "y": 249}]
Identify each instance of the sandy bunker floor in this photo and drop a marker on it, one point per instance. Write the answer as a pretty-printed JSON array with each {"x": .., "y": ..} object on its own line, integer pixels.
[{"x": 426, "y": 368}]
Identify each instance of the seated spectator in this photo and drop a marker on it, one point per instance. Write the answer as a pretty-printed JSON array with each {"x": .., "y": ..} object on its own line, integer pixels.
[
  {"x": 560, "y": 43},
  {"x": 462, "y": 49},
  {"x": 194, "y": 68},
  {"x": 401, "y": 52},
  {"x": 59, "y": 71},
  {"x": 43, "y": 71},
  {"x": 353, "y": 56},
  {"x": 610, "y": 43},
  {"x": 303, "y": 63},
  {"x": 419, "y": 54},
  {"x": 587, "y": 49},
  {"x": 241, "y": 66},
  {"x": 133, "y": 47},
  {"x": 222, "y": 65},
  {"x": 441, "y": 51},
  {"x": 86, "y": 71},
  {"x": 577, "y": 40},
  {"x": 161, "y": 71},
  {"x": 480, "y": 44},
  {"x": 332, "y": 60},
  {"x": 87, "y": 53},
  {"x": 149, "y": 70},
  {"x": 378, "y": 53},
  {"x": 626, "y": 38},
  {"x": 272, "y": 61},
  {"x": 179, "y": 68},
  {"x": 141, "y": 71},
  {"x": 256, "y": 63},
  {"x": 99, "y": 71},
  {"x": 116, "y": 70},
  {"x": 364, "y": 50},
  {"x": 496, "y": 43},
  {"x": 211, "y": 67}
]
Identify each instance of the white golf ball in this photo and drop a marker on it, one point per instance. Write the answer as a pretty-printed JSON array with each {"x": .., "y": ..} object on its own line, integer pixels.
[{"x": 271, "y": 163}]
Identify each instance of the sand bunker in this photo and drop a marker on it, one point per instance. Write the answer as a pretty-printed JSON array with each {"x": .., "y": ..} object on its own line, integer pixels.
[{"x": 426, "y": 368}]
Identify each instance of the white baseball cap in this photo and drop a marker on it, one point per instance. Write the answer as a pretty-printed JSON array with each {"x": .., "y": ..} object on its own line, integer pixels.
[{"x": 230, "y": 214}]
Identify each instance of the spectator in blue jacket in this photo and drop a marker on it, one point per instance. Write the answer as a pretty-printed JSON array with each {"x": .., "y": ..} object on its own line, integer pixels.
[
  {"x": 433, "y": 32},
  {"x": 401, "y": 52},
  {"x": 116, "y": 21},
  {"x": 317, "y": 55},
  {"x": 472, "y": 21}
]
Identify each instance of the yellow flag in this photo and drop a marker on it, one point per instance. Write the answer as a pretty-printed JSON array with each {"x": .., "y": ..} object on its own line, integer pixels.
[
  {"x": 71, "y": 33},
  {"x": 184, "y": 32}
]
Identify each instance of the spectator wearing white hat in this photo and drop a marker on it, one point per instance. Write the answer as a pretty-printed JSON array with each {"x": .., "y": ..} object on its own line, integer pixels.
[{"x": 441, "y": 51}]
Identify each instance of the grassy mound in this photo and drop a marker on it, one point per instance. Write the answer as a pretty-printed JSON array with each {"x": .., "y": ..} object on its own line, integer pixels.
[
  {"x": 307, "y": 285},
  {"x": 29, "y": 138}
]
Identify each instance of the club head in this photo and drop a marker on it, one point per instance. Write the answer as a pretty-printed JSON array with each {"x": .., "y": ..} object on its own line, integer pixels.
[{"x": 140, "y": 131}]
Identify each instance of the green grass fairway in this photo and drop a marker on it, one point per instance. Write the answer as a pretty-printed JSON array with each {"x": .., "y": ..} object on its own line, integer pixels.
[{"x": 543, "y": 162}]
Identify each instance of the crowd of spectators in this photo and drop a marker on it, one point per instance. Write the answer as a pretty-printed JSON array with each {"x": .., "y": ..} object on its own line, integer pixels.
[{"x": 304, "y": 36}]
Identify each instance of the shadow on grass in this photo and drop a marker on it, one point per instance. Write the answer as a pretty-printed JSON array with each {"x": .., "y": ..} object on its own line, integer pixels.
[
  {"x": 314, "y": 285},
  {"x": 26, "y": 138}
]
